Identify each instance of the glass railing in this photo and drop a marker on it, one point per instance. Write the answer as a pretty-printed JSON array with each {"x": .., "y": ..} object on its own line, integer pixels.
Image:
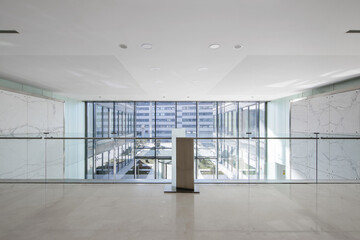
[{"x": 308, "y": 158}]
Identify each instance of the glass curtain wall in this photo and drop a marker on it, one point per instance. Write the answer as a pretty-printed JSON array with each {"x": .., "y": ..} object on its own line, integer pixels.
[{"x": 220, "y": 153}]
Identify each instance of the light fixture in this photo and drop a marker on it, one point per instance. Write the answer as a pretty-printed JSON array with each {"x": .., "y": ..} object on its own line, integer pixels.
[
  {"x": 123, "y": 46},
  {"x": 8, "y": 31},
  {"x": 353, "y": 31},
  {"x": 202, "y": 69},
  {"x": 214, "y": 46},
  {"x": 155, "y": 69},
  {"x": 146, "y": 46},
  {"x": 238, "y": 46}
]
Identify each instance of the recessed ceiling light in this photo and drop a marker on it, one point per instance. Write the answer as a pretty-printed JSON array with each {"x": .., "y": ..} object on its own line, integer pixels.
[
  {"x": 214, "y": 46},
  {"x": 155, "y": 69},
  {"x": 8, "y": 31},
  {"x": 353, "y": 31},
  {"x": 123, "y": 46},
  {"x": 202, "y": 69},
  {"x": 238, "y": 46},
  {"x": 146, "y": 46}
]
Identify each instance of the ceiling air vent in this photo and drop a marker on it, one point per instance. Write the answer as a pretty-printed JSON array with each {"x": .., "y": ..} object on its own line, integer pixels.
[
  {"x": 8, "y": 31},
  {"x": 353, "y": 31}
]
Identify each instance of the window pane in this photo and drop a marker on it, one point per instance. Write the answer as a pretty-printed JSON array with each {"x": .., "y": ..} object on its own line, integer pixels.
[
  {"x": 98, "y": 122},
  {"x": 165, "y": 118},
  {"x": 186, "y": 117},
  {"x": 207, "y": 119},
  {"x": 130, "y": 131},
  {"x": 164, "y": 169},
  {"x": 227, "y": 114},
  {"x": 145, "y": 119},
  {"x": 228, "y": 159}
]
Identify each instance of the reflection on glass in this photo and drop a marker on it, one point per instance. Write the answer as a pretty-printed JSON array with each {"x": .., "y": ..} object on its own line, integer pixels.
[
  {"x": 186, "y": 117},
  {"x": 165, "y": 118},
  {"x": 228, "y": 159},
  {"x": 145, "y": 168},
  {"x": 145, "y": 148},
  {"x": 207, "y": 119},
  {"x": 164, "y": 167},
  {"x": 206, "y": 168},
  {"x": 145, "y": 119}
]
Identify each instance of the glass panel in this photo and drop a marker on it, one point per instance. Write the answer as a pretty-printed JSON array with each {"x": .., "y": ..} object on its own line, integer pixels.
[
  {"x": 227, "y": 114},
  {"x": 253, "y": 168},
  {"x": 243, "y": 159},
  {"x": 165, "y": 118},
  {"x": 245, "y": 121},
  {"x": 207, "y": 119},
  {"x": 186, "y": 117},
  {"x": 145, "y": 168},
  {"x": 98, "y": 120},
  {"x": 262, "y": 116},
  {"x": 163, "y": 148},
  {"x": 236, "y": 159},
  {"x": 130, "y": 131},
  {"x": 100, "y": 170},
  {"x": 301, "y": 166},
  {"x": 90, "y": 146},
  {"x": 145, "y": 119},
  {"x": 253, "y": 120},
  {"x": 207, "y": 148},
  {"x": 206, "y": 168},
  {"x": 105, "y": 122},
  {"x": 228, "y": 159},
  {"x": 206, "y": 157},
  {"x": 126, "y": 161},
  {"x": 164, "y": 168},
  {"x": 145, "y": 148}
]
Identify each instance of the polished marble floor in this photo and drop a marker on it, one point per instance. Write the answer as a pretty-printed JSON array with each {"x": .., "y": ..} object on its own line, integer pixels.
[{"x": 143, "y": 211}]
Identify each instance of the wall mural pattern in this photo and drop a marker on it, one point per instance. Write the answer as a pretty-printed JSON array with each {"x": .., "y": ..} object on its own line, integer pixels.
[
  {"x": 335, "y": 115},
  {"x": 24, "y": 115}
]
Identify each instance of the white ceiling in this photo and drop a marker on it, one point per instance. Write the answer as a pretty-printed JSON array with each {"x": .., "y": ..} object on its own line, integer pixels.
[{"x": 71, "y": 47}]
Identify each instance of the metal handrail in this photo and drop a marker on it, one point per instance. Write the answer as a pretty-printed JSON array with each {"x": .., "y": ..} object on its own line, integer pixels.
[
  {"x": 265, "y": 138},
  {"x": 75, "y": 138},
  {"x": 168, "y": 138},
  {"x": 20, "y": 137},
  {"x": 343, "y": 138}
]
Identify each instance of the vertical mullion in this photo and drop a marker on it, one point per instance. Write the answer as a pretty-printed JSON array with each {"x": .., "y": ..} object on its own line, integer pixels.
[
  {"x": 94, "y": 140},
  {"x": 176, "y": 114},
  {"x": 266, "y": 142},
  {"x": 134, "y": 130},
  {"x": 155, "y": 147},
  {"x": 86, "y": 141},
  {"x": 196, "y": 140},
  {"x": 102, "y": 121},
  {"x": 249, "y": 143},
  {"x": 237, "y": 141},
  {"x": 114, "y": 119},
  {"x": 217, "y": 140},
  {"x": 258, "y": 140}
]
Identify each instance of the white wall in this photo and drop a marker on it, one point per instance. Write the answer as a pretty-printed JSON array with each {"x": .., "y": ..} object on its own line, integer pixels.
[
  {"x": 26, "y": 115},
  {"x": 333, "y": 115}
]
